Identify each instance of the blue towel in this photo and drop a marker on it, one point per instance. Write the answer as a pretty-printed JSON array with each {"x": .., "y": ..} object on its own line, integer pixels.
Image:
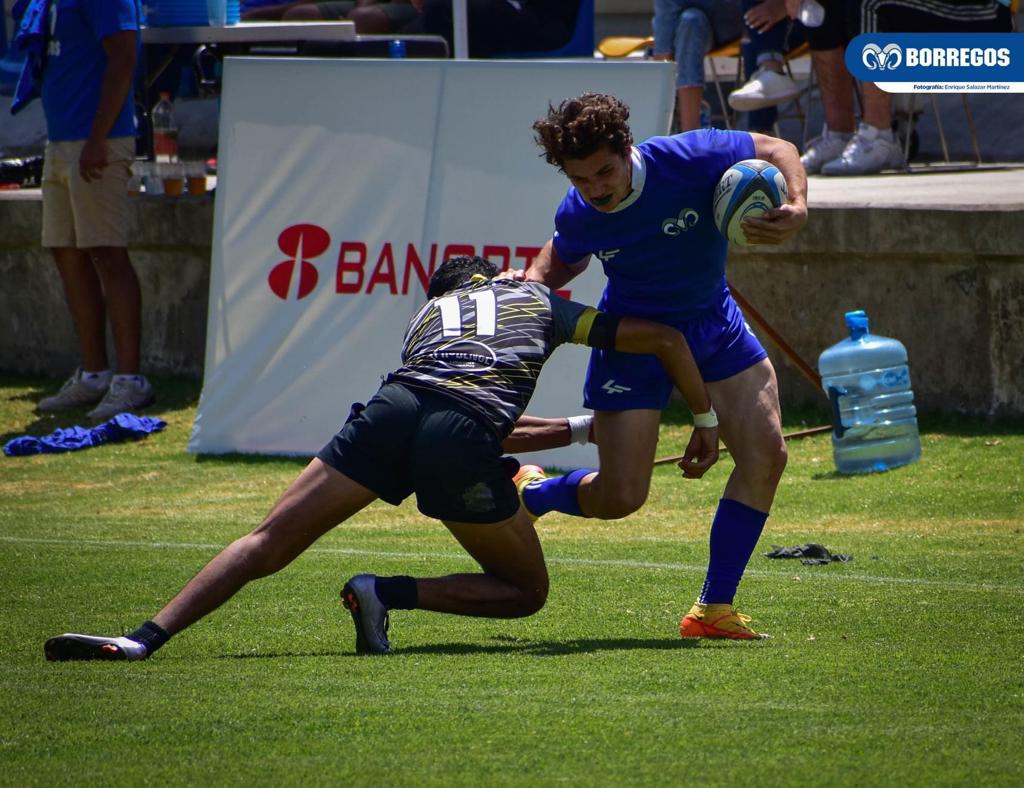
[
  {"x": 31, "y": 39},
  {"x": 124, "y": 426}
]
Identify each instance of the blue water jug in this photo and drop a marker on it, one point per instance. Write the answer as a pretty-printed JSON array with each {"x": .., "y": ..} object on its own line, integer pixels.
[{"x": 874, "y": 421}]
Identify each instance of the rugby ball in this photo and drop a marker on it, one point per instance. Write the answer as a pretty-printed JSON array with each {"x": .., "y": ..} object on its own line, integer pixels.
[{"x": 748, "y": 188}]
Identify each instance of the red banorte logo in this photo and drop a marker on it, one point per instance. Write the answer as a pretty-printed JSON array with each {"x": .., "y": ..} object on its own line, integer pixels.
[
  {"x": 296, "y": 277},
  {"x": 393, "y": 268}
]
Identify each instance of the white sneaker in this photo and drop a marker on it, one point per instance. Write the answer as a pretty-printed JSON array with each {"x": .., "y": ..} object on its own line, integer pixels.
[
  {"x": 766, "y": 88},
  {"x": 76, "y": 393},
  {"x": 871, "y": 150},
  {"x": 70, "y": 646},
  {"x": 124, "y": 395},
  {"x": 821, "y": 150}
]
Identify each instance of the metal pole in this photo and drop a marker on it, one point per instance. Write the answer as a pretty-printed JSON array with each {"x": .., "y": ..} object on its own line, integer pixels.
[
  {"x": 460, "y": 29},
  {"x": 788, "y": 436}
]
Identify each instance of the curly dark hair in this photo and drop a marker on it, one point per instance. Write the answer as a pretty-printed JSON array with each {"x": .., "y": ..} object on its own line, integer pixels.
[
  {"x": 579, "y": 126},
  {"x": 456, "y": 271}
]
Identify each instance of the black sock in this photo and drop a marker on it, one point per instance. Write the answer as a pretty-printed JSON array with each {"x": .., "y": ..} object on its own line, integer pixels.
[
  {"x": 150, "y": 635},
  {"x": 397, "y": 593}
]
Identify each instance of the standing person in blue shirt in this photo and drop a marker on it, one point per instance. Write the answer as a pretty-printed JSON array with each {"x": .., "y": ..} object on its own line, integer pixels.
[
  {"x": 645, "y": 211},
  {"x": 86, "y": 92}
]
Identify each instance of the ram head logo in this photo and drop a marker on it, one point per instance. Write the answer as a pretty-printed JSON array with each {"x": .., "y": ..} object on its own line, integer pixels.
[{"x": 876, "y": 58}]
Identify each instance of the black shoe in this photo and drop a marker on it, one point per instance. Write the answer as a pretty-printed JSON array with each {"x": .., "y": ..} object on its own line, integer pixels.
[{"x": 369, "y": 615}]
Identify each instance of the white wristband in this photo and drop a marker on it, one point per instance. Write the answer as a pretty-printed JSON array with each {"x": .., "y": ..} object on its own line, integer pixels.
[
  {"x": 579, "y": 426},
  {"x": 705, "y": 420}
]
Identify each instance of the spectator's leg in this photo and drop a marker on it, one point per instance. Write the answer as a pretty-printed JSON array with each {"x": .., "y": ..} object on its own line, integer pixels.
[
  {"x": 877, "y": 106},
  {"x": 836, "y": 89},
  {"x": 370, "y": 20},
  {"x": 269, "y": 12},
  {"x": 692, "y": 42},
  {"x": 84, "y": 296},
  {"x": 123, "y": 304},
  {"x": 306, "y": 12}
]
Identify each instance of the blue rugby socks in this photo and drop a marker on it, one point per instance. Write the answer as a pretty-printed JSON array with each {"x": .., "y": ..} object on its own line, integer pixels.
[
  {"x": 559, "y": 494},
  {"x": 734, "y": 534}
]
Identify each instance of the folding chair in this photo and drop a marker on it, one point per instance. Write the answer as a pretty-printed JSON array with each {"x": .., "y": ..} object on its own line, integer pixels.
[{"x": 615, "y": 47}]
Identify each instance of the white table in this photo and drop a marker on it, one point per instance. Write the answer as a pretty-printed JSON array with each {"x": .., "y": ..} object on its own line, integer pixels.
[{"x": 251, "y": 33}]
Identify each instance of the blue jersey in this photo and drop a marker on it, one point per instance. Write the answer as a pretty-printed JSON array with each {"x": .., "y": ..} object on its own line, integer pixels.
[
  {"x": 75, "y": 63},
  {"x": 662, "y": 254}
]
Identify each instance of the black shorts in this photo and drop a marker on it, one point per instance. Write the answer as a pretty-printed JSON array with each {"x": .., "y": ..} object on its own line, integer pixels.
[
  {"x": 410, "y": 440},
  {"x": 846, "y": 19}
]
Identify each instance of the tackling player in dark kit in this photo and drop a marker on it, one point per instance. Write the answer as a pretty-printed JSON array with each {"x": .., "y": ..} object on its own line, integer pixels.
[{"x": 435, "y": 427}]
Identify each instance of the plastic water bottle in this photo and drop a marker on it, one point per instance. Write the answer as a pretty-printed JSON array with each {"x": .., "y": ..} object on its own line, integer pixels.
[
  {"x": 874, "y": 421},
  {"x": 165, "y": 131},
  {"x": 812, "y": 13},
  {"x": 396, "y": 49}
]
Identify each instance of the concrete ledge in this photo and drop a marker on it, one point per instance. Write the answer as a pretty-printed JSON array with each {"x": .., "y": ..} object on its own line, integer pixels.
[
  {"x": 947, "y": 283},
  {"x": 171, "y": 252}
]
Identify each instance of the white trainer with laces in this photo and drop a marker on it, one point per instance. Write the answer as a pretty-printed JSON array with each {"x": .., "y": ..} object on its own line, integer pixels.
[
  {"x": 126, "y": 394},
  {"x": 766, "y": 88},
  {"x": 76, "y": 392},
  {"x": 871, "y": 150},
  {"x": 823, "y": 149}
]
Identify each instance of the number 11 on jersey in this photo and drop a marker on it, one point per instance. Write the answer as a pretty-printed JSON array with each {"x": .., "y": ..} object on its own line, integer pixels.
[{"x": 486, "y": 313}]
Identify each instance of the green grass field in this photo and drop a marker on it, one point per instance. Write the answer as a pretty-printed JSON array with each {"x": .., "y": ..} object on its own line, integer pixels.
[{"x": 903, "y": 667}]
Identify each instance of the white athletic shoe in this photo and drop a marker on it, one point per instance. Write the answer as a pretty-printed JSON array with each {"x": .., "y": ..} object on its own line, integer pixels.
[
  {"x": 871, "y": 150},
  {"x": 823, "y": 149},
  {"x": 72, "y": 647},
  {"x": 123, "y": 396},
  {"x": 75, "y": 393},
  {"x": 766, "y": 88}
]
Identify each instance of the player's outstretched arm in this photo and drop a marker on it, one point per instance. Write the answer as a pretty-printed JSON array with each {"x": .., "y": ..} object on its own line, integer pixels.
[
  {"x": 536, "y": 433},
  {"x": 669, "y": 345}
]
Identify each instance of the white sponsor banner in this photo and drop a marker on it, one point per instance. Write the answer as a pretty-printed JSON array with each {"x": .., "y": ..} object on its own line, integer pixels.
[{"x": 343, "y": 183}]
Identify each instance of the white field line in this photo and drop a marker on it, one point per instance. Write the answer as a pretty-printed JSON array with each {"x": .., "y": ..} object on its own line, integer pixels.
[{"x": 952, "y": 585}]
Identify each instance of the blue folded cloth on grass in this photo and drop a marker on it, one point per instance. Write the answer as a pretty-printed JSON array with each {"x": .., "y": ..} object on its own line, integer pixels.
[{"x": 124, "y": 426}]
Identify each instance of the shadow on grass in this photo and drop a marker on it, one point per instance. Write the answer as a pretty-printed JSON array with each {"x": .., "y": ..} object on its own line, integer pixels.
[
  {"x": 538, "y": 648},
  {"x": 252, "y": 459}
]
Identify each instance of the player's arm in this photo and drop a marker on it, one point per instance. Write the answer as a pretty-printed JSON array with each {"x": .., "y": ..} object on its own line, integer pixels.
[
  {"x": 536, "y": 433},
  {"x": 550, "y": 269},
  {"x": 632, "y": 335},
  {"x": 117, "y": 82},
  {"x": 780, "y": 224}
]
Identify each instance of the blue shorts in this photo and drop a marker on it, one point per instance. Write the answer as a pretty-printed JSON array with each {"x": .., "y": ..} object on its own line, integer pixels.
[{"x": 722, "y": 345}]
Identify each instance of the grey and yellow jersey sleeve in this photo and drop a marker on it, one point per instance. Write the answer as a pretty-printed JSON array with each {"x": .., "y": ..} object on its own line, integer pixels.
[{"x": 580, "y": 324}]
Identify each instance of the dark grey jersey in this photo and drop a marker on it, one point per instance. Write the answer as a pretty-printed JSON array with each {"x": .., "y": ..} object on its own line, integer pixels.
[{"x": 485, "y": 343}]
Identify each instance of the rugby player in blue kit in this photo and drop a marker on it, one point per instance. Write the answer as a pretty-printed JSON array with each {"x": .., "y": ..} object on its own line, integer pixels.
[{"x": 645, "y": 211}]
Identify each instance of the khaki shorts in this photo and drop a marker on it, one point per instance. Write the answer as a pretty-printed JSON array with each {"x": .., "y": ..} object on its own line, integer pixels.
[{"x": 80, "y": 214}]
